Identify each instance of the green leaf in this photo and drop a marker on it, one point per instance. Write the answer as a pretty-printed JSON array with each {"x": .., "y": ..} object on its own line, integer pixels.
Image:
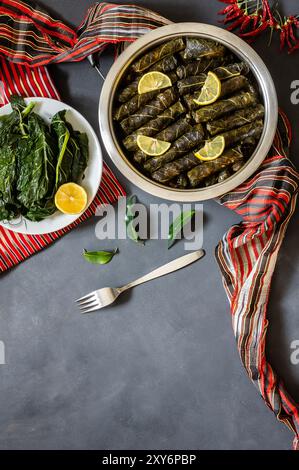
[
  {"x": 99, "y": 257},
  {"x": 130, "y": 216},
  {"x": 177, "y": 226}
]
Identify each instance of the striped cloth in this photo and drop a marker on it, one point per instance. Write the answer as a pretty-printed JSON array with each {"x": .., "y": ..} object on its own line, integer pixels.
[
  {"x": 246, "y": 255},
  {"x": 30, "y": 36}
]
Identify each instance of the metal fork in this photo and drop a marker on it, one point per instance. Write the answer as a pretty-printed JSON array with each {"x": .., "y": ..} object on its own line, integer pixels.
[{"x": 102, "y": 297}]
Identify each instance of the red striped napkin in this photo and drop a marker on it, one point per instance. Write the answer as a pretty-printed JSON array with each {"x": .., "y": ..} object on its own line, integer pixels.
[{"x": 248, "y": 251}]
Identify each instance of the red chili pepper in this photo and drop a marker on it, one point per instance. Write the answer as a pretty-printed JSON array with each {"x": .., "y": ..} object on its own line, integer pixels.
[
  {"x": 255, "y": 21},
  {"x": 235, "y": 24},
  {"x": 256, "y": 31},
  {"x": 269, "y": 13},
  {"x": 234, "y": 17},
  {"x": 292, "y": 34},
  {"x": 227, "y": 9},
  {"x": 246, "y": 23},
  {"x": 282, "y": 38}
]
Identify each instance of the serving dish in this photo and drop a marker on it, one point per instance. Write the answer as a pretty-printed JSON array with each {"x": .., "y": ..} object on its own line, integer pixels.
[
  {"x": 46, "y": 108},
  {"x": 244, "y": 52}
]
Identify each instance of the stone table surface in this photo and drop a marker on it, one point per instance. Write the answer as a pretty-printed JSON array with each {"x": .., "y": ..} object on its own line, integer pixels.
[{"x": 160, "y": 369}]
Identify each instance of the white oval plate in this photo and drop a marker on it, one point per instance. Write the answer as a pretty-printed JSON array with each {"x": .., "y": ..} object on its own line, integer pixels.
[{"x": 46, "y": 108}]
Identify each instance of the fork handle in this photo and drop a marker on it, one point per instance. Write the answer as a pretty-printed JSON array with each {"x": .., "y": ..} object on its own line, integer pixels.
[{"x": 174, "y": 265}]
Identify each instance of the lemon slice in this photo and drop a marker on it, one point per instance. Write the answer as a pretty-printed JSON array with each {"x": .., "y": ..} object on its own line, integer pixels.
[
  {"x": 210, "y": 91},
  {"x": 212, "y": 149},
  {"x": 151, "y": 146},
  {"x": 153, "y": 81},
  {"x": 71, "y": 198}
]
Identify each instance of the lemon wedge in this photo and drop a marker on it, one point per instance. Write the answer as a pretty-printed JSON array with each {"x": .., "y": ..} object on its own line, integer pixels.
[
  {"x": 212, "y": 149},
  {"x": 153, "y": 81},
  {"x": 71, "y": 198},
  {"x": 210, "y": 91},
  {"x": 151, "y": 146}
]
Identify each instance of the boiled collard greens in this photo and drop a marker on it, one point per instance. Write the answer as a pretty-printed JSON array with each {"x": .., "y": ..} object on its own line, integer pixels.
[{"x": 35, "y": 160}]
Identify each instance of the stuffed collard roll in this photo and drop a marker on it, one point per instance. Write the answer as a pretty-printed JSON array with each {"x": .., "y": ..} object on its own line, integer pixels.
[
  {"x": 181, "y": 146},
  {"x": 155, "y": 125},
  {"x": 157, "y": 54},
  {"x": 222, "y": 107},
  {"x": 147, "y": 112},
  {"x": 229, "y": 87},
  {"x": 166, "y": 65},
  {"x": 196, "y": 82},
  {"x": 241, "y": 134},
  {"x": 237, "y": 119},
  {"x": 199, "y": 66},
  {"x": 199, "y": 173},
  {"x": 138, "y": 100},
  {"x": 197, "y": 48},
  {"x": 170, "y": 170}
]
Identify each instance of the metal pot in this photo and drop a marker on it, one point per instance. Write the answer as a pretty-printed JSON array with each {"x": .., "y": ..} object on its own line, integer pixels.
[{"x": 153, "y": 39}]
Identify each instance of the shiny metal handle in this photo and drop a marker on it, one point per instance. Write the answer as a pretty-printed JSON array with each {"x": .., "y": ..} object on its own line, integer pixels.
[
  {"x": 94, "y": 64},
  {"x": 166, "y": 268}
]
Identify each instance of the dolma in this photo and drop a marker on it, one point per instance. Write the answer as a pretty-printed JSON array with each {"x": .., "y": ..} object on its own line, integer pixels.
[
  {"x": 237, "y": 166},
  {"x": 231, "y": 70},
  {"x": 170, "y": 134},
  {"x": 181, "y": 146},
  {"x": 230, "y": 86},
  {"x": 191, "y": 84},
  {"x": 180, "y": 182},
  {"x": 211, "y": 180},
  {"x": 199, "y": 47},
  {"x": 168, "y": 48},
  {"x": 147, "y": 112},
  {"x": 131, "y": 106},
  {"x": 219, "y": 108},
  {"x": 199, "y": 173},
  {"x": 223, "y": 175},
  {"x": 199, "y": 66},
  {"x": 231, "y": 74},
  {"x": 155, "y": 125},
  {"x": 171, "y": 170},
  {"x": 165, "y": 65},
  {"x": 253, "y": 129},
  {"x": 237, "y": 119}
]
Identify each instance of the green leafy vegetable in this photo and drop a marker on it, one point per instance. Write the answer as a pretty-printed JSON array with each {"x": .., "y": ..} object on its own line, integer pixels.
[
  {"x": 36, "y": 160},
  {"x": 130, "y": 219},
  {"x": 177, "y": 226},
  {"x": 99, "y": 257}
]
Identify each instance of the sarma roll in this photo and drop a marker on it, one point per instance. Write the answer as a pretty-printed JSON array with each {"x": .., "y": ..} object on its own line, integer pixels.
[
  {"x": 153, "y": 126},
  {"x": 230, "y": 86},
  {"x": 170, "y": 134},
  {"x": 199, "y": 66},
  {"x": 230, "y": 75},
  {"x": 232, "y": 70},
  {"x": 166, "y": 65},
  {"x": 222, "y": 107},
  {"x": 196, "y": 48},
  {"x": 223, "y": 175},
  {"x": 147, "y": 112},
  {"x": 180, "y": 182},
  {"x": 253, "y": 129},
  {"x": 237, "y": 119},
  {"x": 172, "y": 169},
  {"x": 199, "y": 173},
  {"x": 133, "y": 104},
  {"x": 153, "y": 56},
  {"x": 181, "y": 146}
]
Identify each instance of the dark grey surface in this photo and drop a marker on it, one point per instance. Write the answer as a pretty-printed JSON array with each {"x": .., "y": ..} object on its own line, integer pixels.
[{"x": 160, "y": 369}]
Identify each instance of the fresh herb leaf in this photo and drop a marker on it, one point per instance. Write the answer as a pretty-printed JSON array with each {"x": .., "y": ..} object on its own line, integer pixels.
[
  {"x": 177, "y": 226},
  {"x": 130, "y": 216},
  {"x": 99, "y": 257}
]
